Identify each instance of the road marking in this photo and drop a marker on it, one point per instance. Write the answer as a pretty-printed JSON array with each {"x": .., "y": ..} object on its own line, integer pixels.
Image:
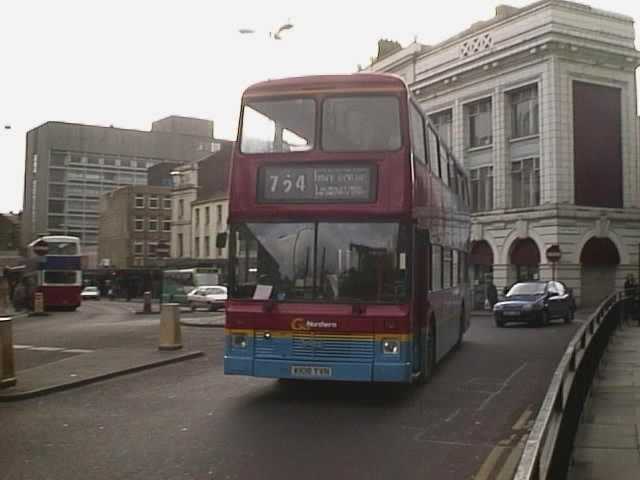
[
  {"x": 489, "y": 464},
  {"x": 522, "y": 421},
  {"x": 508, "y": 470},
  {"x": 507, "y": 441},
  {"x": 484, "y": 404},
  {"x": 452, "y": 416},
  {"x": 51, "y": 349}
]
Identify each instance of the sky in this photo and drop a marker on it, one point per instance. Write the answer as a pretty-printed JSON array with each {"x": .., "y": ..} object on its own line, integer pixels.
[{"x": 129, "y": 62}]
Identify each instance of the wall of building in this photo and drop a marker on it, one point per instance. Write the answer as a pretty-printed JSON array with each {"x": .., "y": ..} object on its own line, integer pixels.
[
  {"x": 184, "y": 125},
  {"x": 114, "y": 233},
  {"x": 184, "y": 193},
  {"x": 555, "y": 47},
  {"x": 213, "y": 172},
  {"x": 133, "y": 221},
  {"x": 209, "y": 218},
  {"x": 200, "y": 185},
  {"x": 159, "y": 175},
  {"x": 85, "y": 151}
]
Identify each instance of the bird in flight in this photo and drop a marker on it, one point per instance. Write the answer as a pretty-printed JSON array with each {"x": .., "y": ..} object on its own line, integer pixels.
[{"x": 276, "y": 34}]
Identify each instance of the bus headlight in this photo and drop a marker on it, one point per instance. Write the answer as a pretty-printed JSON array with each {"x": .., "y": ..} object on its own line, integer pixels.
[
  {"x": 239, "y": 340},
  {"x": 390, "y": 346}
]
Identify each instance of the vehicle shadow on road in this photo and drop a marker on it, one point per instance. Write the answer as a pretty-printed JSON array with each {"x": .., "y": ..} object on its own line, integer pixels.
[
  {"x": 529, "y": 326},
  {"x": 332, "y": 394}
]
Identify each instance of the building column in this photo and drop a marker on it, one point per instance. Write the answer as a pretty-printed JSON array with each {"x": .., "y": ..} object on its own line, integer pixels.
[
  {"x": 457, "y": 130},
  {"x": 500, "y": 150},
  {"x": 500, "y": 277}
]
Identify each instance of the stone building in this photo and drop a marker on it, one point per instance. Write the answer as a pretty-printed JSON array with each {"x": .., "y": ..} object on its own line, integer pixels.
[
  {"x": 200, "y": 201},
  {"x": 132, "y": 222},
  {"x": 540, "y": 105}
]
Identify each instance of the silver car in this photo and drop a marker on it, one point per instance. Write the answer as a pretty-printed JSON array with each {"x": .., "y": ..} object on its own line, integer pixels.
[
  {"x": 90, "y": 293},
  {"x": 212, "y": 297}
]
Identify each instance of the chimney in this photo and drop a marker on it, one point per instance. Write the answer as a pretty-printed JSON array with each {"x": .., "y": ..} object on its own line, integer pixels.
[{"x": 504, "y": 11}]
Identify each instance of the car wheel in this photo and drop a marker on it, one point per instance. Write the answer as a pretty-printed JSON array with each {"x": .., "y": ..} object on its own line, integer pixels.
[
  {"x": 212, "y": 307},
  {"x": 568, "y": 318},
  {"x": 499, "y": 322},
  {"x": 192, "y": 306},
  {"x": 544, "y": 319}
]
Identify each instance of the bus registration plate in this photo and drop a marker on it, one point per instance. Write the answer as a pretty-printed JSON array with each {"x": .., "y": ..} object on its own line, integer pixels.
[{"x": 299, "y": 371}]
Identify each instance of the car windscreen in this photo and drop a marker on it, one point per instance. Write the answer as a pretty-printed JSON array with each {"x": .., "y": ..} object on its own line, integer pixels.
[
  {"x": 526, "y": 289},
  {"x": 216, "y": 291},
  {"x": 62, "y": 248}
]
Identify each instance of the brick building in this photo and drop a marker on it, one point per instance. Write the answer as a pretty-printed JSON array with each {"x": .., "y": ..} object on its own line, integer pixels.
[{"x": 132, "y": 221}]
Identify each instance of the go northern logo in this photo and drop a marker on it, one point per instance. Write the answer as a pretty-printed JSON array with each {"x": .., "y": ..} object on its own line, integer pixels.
[{"x": 302, "y": 324}]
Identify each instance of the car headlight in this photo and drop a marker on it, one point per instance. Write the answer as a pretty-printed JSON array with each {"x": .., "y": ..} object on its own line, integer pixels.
[
  {"x": 239, "y": 340},
  {"x": 497, "y": 307},
  {"x": 390, "y": 346}
]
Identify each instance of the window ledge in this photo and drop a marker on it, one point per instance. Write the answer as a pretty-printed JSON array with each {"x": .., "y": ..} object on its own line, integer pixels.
[
  {"x": 479, "y": 149},
  {"x": 524, "y": 139}
]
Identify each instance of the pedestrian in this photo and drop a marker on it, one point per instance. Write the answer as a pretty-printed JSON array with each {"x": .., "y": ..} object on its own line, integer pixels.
[
  {"x": 630, "y": 292},
  {"x": 492, "y": 294},
  {"x": 629, "y": 284}
]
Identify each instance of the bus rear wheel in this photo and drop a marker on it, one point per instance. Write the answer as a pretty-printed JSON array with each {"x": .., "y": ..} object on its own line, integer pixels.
[
  {"x": 428, "y": 355},
  {"x": 461, "y": 331}
]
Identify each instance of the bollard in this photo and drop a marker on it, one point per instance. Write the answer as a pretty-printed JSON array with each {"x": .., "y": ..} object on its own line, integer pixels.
[
  {"x": 7, "y": 364},
  {"x": 170, "y": 336},
  {"x": 147, "y": 303},
  {"x": 38, "y": 305},
  {"x": 4, "y": 297}
]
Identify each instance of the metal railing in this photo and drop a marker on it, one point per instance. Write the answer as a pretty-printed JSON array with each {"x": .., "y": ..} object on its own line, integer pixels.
[{"x": 548, "y": 449}]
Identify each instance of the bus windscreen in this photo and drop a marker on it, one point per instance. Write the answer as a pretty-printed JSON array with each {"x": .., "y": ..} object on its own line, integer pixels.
[
  {"x": 362, "y": 123},
  {"x": 321, "y": 262},
  {"x": 276, "y": 126}
]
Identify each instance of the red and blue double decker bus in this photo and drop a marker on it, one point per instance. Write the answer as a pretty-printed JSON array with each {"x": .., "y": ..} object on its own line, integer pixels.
[
  {"x": 55, "y": 271},
  {"x": 348, "y": 234}
]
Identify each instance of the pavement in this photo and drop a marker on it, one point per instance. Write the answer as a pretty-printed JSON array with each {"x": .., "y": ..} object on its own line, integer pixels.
[
  {"x": 215, "y": 320},
  {"x": 189, "y": 318},
  {"x": 607, "y": 445},
  {"x": 88, "y": 367},
  {"x": 100, "y": 342}
]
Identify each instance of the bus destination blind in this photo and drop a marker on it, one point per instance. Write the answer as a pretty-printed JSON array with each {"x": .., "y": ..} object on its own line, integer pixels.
[{"x": 317, "y": 183}]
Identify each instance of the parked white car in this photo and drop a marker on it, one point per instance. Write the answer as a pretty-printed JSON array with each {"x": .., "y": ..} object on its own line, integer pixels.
[
  {"x": 213, "y": 297},
  {"x": 90, "y": 293}
]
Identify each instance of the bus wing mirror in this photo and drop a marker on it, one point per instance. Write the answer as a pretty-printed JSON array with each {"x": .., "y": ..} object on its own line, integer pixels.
[{"x": 221, "y": 240}]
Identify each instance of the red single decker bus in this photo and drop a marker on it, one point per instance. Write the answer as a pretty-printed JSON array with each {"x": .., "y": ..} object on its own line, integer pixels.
[{"x": 348, "y": 234}]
